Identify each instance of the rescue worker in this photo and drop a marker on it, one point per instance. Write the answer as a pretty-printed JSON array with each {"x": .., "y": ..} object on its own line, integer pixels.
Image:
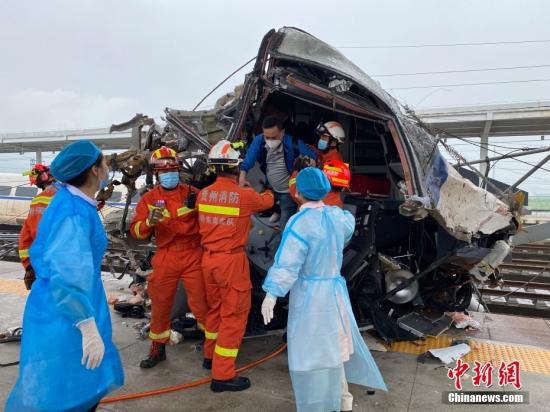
[
  {"x": 331, "y": 136},
  {"x": 275, "y": 151},
  {"x": 325, "y": 348},
  {"x": 168, "y": 211},
  {"x": 68, "y": 361},
  {"x": 338, "y": 175},
  {"x": 301, "y": 162},
  {"x": 224, "y": 218},
  {"x": 41, "y": 177}
]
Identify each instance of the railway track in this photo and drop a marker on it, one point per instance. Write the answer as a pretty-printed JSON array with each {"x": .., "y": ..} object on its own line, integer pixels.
[
  {"x": 526, "y": 287},
  {"x": 525, "y": 290},
  {"x": 116, "y": 257}
]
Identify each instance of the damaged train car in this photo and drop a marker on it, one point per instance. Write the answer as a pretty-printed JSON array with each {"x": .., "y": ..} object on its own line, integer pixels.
[{"x": 424, "y": 235}]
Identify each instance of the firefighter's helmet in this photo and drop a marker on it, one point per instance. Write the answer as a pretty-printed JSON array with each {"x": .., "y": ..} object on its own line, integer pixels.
[
  {"x": 333, "y": 129},
  {"x": 338, "y": 173},
  {"x": 40, "y": 175},
  {"x": 223, "y": 153},
  {"x": 164, "y": 159}
]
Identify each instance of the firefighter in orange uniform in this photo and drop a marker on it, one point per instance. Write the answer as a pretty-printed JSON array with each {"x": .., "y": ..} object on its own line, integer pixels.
[
  {"x": 168, "y": 211},
  {"x": 339, "y": 175},
  {"x": 41, "y": 177},
  {"x": 224, "y": 218},
  {"x": 331, "y": 136}
]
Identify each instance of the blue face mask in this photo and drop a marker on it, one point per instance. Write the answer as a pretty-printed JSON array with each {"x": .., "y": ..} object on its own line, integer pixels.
[
  {"x": 169, "y": 180},
  {"x": 322, "y": 144},
  {"x": 103, "y": 183}
]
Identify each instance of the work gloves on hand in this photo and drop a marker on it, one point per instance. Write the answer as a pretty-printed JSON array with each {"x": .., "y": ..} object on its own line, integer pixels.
[
  {"x": 29, "y": 278},
  {"x": 267, "y": 308},
  {"x": 93, "y": 348},
  {"x": 155, "y": 216}
]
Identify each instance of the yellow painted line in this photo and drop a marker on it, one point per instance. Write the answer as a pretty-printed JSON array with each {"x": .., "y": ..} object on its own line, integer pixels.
[
  {"x": 531, "y": 359},
  {"x": 13, "y": 287}
]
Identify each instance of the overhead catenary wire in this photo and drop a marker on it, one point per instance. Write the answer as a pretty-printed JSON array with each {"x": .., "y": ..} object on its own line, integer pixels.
[
  {"x": 469, "y": 84},
  {"x": 489, "y": 149},
  {"x": 412, "y": 46},
  {"x": 461, "y": 71}
]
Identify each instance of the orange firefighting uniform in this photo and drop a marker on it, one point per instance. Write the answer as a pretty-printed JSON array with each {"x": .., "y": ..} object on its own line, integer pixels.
[
  {"x": 224, "y": 218},
  {"x": 178, "y": 255},
  {"x": 28, "y": 232},
  {"x": 331, "y": 154},
  {"x": 332, "y": 199}
]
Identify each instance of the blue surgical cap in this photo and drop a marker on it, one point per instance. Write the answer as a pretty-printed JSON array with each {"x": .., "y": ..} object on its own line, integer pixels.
[
  {"x": 74, "y": 159},
  {"x": 312, "y": 183}
]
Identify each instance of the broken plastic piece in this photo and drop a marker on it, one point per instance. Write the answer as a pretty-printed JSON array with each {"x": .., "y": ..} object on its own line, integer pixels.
[{"x": 452, "y": 353}]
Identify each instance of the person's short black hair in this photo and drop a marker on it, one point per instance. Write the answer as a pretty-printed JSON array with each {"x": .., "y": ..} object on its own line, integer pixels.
[
  {"x": 80, "y": 180},
  {"x": 272, "y": 121},
  {"x": 224, "y": 170}
]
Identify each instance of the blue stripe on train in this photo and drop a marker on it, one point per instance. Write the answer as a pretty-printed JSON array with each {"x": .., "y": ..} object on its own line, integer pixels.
[{"x": 28, "y": 199}]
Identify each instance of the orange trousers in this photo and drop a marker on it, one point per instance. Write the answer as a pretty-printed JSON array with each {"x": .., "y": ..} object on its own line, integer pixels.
[
  {"x": 229, "y": 297},
  {"x": 169, "y": 265}
]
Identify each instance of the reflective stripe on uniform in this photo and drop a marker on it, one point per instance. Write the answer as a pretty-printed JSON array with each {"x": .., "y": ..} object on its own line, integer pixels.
[
  {"x": 210, "y": 335},
  {"x": 333, "y": 169},
  {"x": 220, "y": 210},
  {"x": 163, "y": 335},
  {"x": 184, "y": 210},
  {"x": 292, "y": 182},
  {"x": 23, "y": 253},
  {"x": 200, "y": 326},
  {"x": 227, "y": 352},
  {"x": 137, "y": 232},
  {"x": 43, "y": 200},
  {"x": 343, "y": 181}
]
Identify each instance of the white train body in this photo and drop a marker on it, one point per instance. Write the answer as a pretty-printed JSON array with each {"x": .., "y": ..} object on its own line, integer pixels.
[{"x": 16, "y": 194}]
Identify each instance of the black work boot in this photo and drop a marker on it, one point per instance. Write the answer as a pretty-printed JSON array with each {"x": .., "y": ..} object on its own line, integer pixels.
[
  {"x": 207, "y": 363},
  {"x": 157, "y": 354},
  {"x": 238, "y": 383}
]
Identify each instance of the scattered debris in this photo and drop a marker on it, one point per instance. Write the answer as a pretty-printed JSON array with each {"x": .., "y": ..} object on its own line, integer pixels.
[
  {"x": 373, "y": 343},
  {"x": 463, "y": 321},
  {"x": 11, "y": 335},
  {"x": 446, "y": 355}
]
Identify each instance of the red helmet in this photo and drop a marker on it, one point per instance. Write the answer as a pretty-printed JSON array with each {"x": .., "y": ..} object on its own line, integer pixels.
[
  {"x": 40, "y": 175},
  {"x": 164, "y": 159},
  {"x": 337, "y": 172}
]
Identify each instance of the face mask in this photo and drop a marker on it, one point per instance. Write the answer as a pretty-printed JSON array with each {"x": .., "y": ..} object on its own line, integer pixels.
[
  {"x": 322, "y": 145},
  {"x": 103, "y": 183},
  {"x": 272, "y": 144},
  {"x": 169, "y": 180}
]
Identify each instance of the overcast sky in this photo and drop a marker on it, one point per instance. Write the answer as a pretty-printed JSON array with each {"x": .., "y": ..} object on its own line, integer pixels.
[{"x": 79, "y": 64}]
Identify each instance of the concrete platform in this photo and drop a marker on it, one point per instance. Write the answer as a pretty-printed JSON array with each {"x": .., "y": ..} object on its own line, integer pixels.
[{"x": 413, "y": 386}]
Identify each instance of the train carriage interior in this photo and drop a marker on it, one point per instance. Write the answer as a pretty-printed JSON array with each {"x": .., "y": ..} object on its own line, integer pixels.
[{"x": 387, "y": 248}]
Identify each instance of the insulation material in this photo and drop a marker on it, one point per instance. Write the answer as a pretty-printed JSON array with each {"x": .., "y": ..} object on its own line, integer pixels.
[{"x": 461, "y": 207}]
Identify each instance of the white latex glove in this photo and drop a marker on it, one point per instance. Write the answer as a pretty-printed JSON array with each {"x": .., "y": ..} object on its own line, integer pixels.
[
  {"x": 93, "y": 348},
  {"x": 267, "y": 308}
]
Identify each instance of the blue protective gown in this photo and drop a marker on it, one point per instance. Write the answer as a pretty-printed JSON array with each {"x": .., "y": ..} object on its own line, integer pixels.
[
  {"x": 323, "y": 337},
  {"x": 66, "y": 256}
]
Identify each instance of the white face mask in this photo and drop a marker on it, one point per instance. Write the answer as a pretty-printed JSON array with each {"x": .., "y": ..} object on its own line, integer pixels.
[{"x": 272, "y": 144}]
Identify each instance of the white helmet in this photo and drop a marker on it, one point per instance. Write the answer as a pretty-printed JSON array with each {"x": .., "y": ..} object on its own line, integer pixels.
[
  {"x": 334, "y": 129},
  {"x": 222, "y": 153}
]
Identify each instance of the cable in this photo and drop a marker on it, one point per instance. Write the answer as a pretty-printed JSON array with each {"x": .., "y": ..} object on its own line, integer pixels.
[
  {"x": 468, "y": 84},
  {"x": 461, "y": 71},
  {"x": 408, "y": 46},
  {"x": 491, "y": 150},
  {"x": 223, "y": 81},
  {"x": 188, "y": 385}
]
